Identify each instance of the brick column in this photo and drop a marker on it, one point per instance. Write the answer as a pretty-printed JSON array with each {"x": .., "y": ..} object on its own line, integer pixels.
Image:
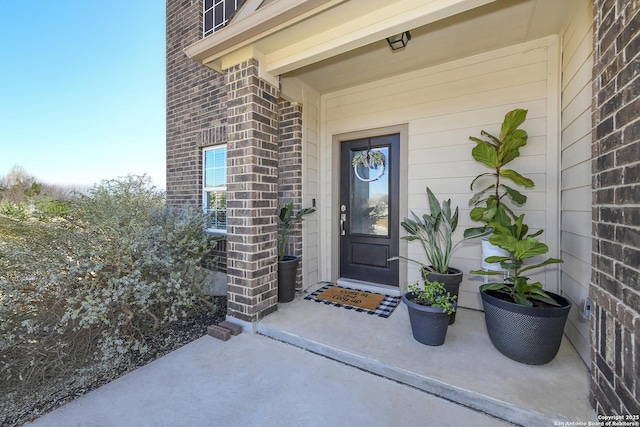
[
  {"x": 252, "y": 193},
  {"x": 290, "y": 170},
  {"x": 615, "y": 283}
]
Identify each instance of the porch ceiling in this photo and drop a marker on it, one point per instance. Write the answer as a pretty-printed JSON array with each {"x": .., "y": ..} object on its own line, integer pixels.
[
  {"x": 334, "y": 44},
  {"x": 495, "y": 25}
]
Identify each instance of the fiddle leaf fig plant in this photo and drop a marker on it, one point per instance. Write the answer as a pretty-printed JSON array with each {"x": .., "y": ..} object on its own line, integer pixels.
[
  {"x": 496, "y": 152},
  {"x": 287, "y": 222},
  {"x": 520, "y": 246},
  {"x": 434, "y": 232}
]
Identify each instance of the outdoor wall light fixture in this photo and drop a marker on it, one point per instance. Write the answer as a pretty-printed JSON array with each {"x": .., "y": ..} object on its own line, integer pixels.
[{"x": 399, "y": 41}]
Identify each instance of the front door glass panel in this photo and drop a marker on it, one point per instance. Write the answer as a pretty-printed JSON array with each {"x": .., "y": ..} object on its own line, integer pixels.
[{"x": 370, "y": 197}]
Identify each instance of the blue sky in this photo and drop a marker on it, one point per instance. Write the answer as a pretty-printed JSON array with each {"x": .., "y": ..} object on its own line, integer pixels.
[{"x": 82, "y": 89}]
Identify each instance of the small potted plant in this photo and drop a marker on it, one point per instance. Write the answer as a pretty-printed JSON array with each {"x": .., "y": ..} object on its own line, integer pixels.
[
  {"x": 288, "y": 264},
  {"x": 430, "y": 307},
  {"x": 434, "y": 232},
  {"x": 524, "y": 322},
  {"x": 489, "y": 204}
]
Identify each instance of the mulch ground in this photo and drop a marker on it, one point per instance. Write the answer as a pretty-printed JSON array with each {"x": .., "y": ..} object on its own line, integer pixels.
[{"x": 20, "y": 407}]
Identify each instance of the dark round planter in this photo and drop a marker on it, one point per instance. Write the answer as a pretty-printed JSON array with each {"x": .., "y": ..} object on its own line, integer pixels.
[
  {"x": 451, "y": 282},
  {"x": 287, "y": 272},
  {"x": 428, "y": 324},
  {"x": 530, "y": 335}
]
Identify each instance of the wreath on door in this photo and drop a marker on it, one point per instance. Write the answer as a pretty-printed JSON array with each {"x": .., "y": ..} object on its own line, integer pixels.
[{"x": 372, "y": 160}]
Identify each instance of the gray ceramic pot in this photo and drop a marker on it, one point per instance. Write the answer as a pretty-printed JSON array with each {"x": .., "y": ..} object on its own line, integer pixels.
[
  {"x": 530, "y": 335},
  {"x": 428, "y": 324}
]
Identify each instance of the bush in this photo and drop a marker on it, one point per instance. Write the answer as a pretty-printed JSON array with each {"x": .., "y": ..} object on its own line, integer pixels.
[
  {"x": 18, "y": 211},
  {"x": 91, "y": 284},
  {"x": 52, "y": 207}
]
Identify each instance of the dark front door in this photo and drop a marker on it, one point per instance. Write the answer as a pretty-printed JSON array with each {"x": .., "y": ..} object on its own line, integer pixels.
[{"x": 368, "y": 210}]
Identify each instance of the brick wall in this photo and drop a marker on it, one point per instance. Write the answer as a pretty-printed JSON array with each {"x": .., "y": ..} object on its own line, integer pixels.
[
  {"x": 252, "y": 193},
  {"x": 196, "y": 105},
  {"x": 290, "y": 170},
  {"x": 615, "y": 283},
  {"x": 196, "y": 110},
  {"x": 204, "y": 109}
]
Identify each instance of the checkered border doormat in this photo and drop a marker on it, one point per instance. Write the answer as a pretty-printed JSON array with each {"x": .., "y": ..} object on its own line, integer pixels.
[{"x": 384, "y": 309}]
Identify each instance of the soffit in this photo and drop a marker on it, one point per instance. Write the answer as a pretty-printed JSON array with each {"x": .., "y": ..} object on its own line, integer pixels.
[
  {"x": 493, "y": 26},
  {"x": 334, "y": 44},
  {"x": 289, "y": 34}
]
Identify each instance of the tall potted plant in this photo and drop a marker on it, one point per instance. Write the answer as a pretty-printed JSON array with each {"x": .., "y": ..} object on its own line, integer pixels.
[
  {"x": 430, "y": 307},
  {"x": 524, "y": 322},
  {"x": 288, "y": 264},
  {"x": 434, "y": 232},
  {"x": 489, "y": 204}
]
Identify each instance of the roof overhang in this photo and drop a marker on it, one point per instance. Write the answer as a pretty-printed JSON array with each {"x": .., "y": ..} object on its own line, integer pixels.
[
  {"x": 239, "y": 34},
  {"x": 287, "y": 35}
]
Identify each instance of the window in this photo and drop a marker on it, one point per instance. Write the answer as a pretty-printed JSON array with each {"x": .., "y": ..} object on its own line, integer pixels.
[
  {"x": 217, "y": 13},
  {"x": 214, "y": 194}
]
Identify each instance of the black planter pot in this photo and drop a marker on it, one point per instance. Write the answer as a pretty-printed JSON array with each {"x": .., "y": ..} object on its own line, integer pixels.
[
  {"x": 451, "y": 282},
  {"x": 530, "y": 335},
  {"x": 287, "y": 272},
  {"x": 428, "y": 324}
]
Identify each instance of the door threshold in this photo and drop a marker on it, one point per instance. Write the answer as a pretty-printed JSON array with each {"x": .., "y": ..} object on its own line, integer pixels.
[{"x": 379, "y": 288}]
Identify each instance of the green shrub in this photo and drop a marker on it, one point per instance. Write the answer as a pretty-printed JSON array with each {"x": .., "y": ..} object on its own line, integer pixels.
[
  {"x": 13, "y": 210},
  {"x": 93, "y": 283},
  {"x": 52, "y": 207}
]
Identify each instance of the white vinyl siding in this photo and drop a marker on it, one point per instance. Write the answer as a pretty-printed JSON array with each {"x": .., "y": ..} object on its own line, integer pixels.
[
  {"x": 311, "y": 177},
  {"x": 577, "y": 63},
  {"x": 443, "y": 106},
  {"x": 296, "y": 91}
]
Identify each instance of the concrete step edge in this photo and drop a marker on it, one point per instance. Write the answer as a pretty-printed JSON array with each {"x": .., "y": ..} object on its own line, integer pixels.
[{"x": 497, "y": 408}]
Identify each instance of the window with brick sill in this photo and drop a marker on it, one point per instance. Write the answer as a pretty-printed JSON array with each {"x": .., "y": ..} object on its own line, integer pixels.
[
  {"x": 214, "y": 191},
  {"x": 217, "y": 13}
]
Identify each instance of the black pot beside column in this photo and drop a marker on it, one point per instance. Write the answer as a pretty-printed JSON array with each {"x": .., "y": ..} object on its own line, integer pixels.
[
  {"x": 288, "y": 264},
  {"x": 287, "y": 273}
]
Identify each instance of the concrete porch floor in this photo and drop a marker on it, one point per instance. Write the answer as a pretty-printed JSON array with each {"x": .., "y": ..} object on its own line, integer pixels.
[
  {"x": 467, "y": 369},
  {"x": 273, "y": 378}
]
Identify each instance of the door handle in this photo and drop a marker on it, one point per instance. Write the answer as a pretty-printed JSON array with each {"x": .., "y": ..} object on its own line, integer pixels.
[{"x": 343, "y": 219}]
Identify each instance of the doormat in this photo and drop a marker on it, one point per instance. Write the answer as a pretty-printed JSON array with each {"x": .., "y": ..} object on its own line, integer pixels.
[{"x": 354, "y": 299}]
